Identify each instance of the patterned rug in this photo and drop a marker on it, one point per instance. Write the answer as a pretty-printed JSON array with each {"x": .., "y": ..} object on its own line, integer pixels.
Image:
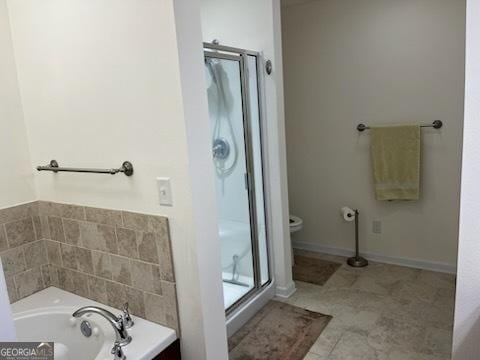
[
  {"x": 313, "y": 270},
  {"x": 278, "y": 331}
]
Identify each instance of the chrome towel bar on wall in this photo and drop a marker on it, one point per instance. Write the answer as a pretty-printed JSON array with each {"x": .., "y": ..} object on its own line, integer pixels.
[
  {"x": 127, "y": 169},
  {"x": 437, "y": 124}
]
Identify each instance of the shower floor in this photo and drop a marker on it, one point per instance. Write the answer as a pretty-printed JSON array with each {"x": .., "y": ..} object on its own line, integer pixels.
[{"x": 233, "y": 292}]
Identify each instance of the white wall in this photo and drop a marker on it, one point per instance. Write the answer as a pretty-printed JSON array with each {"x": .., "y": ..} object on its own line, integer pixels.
[
  {"x": 103, "y": 82},
  {"x": 254, "y": 25},
  {"x": 466, "y": 333},
  {"x": 376, "y": 62},
  {"x": 16, "y": 179},
  {"x": 206, "y": 248}
]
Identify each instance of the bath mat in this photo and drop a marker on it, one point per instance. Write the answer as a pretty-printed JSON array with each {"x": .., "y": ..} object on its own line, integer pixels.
[
  {"x": 313, "y": 270},
  {"x": 278, "y": 331}
]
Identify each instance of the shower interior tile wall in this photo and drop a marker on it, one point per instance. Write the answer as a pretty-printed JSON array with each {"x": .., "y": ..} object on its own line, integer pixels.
[{"x": 109, "y": 256}]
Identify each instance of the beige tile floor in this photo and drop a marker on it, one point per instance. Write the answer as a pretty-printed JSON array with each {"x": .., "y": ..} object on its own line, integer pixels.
[{"x": 383, "y": 312}]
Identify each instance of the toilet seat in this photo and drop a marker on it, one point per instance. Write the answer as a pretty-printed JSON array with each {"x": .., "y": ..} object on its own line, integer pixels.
[{"x": 296, "y": 223}]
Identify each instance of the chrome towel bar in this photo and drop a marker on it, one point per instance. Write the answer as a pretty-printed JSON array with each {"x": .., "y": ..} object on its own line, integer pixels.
[
  {"x": 127, "y": 169},
  {"x": 437, "y": 124}
]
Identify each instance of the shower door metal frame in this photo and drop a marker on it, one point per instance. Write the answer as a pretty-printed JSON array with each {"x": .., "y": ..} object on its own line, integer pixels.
[{"x": 241, "y": 55}]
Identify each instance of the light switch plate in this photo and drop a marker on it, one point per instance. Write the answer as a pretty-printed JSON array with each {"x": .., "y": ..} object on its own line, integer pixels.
[{"x": 164, "y": 191}]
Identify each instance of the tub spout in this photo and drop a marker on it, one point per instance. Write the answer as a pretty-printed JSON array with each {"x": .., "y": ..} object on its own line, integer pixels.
[{"x": 122, "y": 337}]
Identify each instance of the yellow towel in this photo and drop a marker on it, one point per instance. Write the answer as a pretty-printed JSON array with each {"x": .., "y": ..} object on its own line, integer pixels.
[{"x": 396, "y": 162}]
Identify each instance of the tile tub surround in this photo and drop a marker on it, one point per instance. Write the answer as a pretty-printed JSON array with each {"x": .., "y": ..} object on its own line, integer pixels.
[
  {"x": 109, "y": 256},
  {"x": 22, "y": 249}
]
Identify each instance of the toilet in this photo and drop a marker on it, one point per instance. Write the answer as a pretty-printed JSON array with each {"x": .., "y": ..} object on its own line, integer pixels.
[{"x": 296, "y": 224}]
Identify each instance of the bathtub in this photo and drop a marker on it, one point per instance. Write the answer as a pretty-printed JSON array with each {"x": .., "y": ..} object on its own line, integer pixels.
[{"x": 47, "y": 316}]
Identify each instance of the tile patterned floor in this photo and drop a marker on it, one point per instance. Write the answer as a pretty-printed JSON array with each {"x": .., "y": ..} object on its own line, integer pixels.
[{"x": 381, "y": 312}]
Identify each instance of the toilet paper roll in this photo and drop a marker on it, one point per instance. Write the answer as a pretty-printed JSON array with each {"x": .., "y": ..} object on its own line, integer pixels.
[{"x": 347, "y": 213}]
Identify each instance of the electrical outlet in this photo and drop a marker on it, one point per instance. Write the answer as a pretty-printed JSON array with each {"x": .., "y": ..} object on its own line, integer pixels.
[{"x": 377, "y": 227}]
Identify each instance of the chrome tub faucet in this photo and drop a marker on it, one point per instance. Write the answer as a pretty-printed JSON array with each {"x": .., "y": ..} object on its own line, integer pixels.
[{"x": 119, "y": 323}]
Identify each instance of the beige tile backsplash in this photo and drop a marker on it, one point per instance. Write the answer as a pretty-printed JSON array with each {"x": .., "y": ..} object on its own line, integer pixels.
[{"x": 109, "y": 256}]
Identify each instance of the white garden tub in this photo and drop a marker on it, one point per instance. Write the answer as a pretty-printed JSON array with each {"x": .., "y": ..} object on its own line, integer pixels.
[{"x": 47, "y": 316}]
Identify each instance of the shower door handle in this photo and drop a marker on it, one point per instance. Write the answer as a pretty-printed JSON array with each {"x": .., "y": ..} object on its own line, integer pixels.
[{"x": 247, "y": 181}]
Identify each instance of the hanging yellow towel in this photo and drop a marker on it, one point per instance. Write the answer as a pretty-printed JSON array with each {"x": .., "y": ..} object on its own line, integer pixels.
[{"x": 396, "y": 162}]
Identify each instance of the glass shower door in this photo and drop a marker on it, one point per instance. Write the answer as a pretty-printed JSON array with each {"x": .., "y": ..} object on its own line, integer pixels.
[{"x": 228, "y": 114}]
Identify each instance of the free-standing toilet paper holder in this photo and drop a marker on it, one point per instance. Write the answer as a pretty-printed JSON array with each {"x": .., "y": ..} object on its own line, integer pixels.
[{"x": 357, "y": 260}]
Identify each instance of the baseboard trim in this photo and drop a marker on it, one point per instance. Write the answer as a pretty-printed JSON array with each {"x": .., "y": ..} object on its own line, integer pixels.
[
  {"x": 285, "y": 292},
  {"x": 414, "y": 263}
]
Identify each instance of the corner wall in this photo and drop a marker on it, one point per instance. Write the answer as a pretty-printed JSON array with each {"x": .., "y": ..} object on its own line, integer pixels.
[
  {"x": 466, "y": 333},
  {"x": 16, "y": 180},
  {"x": 375, "y": 62}
]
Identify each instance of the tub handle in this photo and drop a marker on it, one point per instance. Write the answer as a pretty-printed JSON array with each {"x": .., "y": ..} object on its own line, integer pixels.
[
  {"x": 117, "y": 352},
  {"x": 127, "y": 318}
]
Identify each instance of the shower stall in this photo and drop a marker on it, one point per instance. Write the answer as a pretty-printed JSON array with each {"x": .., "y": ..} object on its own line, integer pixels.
[{"x": 234, "y": 87}]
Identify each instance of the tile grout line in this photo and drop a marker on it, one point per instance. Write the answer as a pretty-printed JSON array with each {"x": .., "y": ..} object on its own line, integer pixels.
[{"x": 105, "y": 252}]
